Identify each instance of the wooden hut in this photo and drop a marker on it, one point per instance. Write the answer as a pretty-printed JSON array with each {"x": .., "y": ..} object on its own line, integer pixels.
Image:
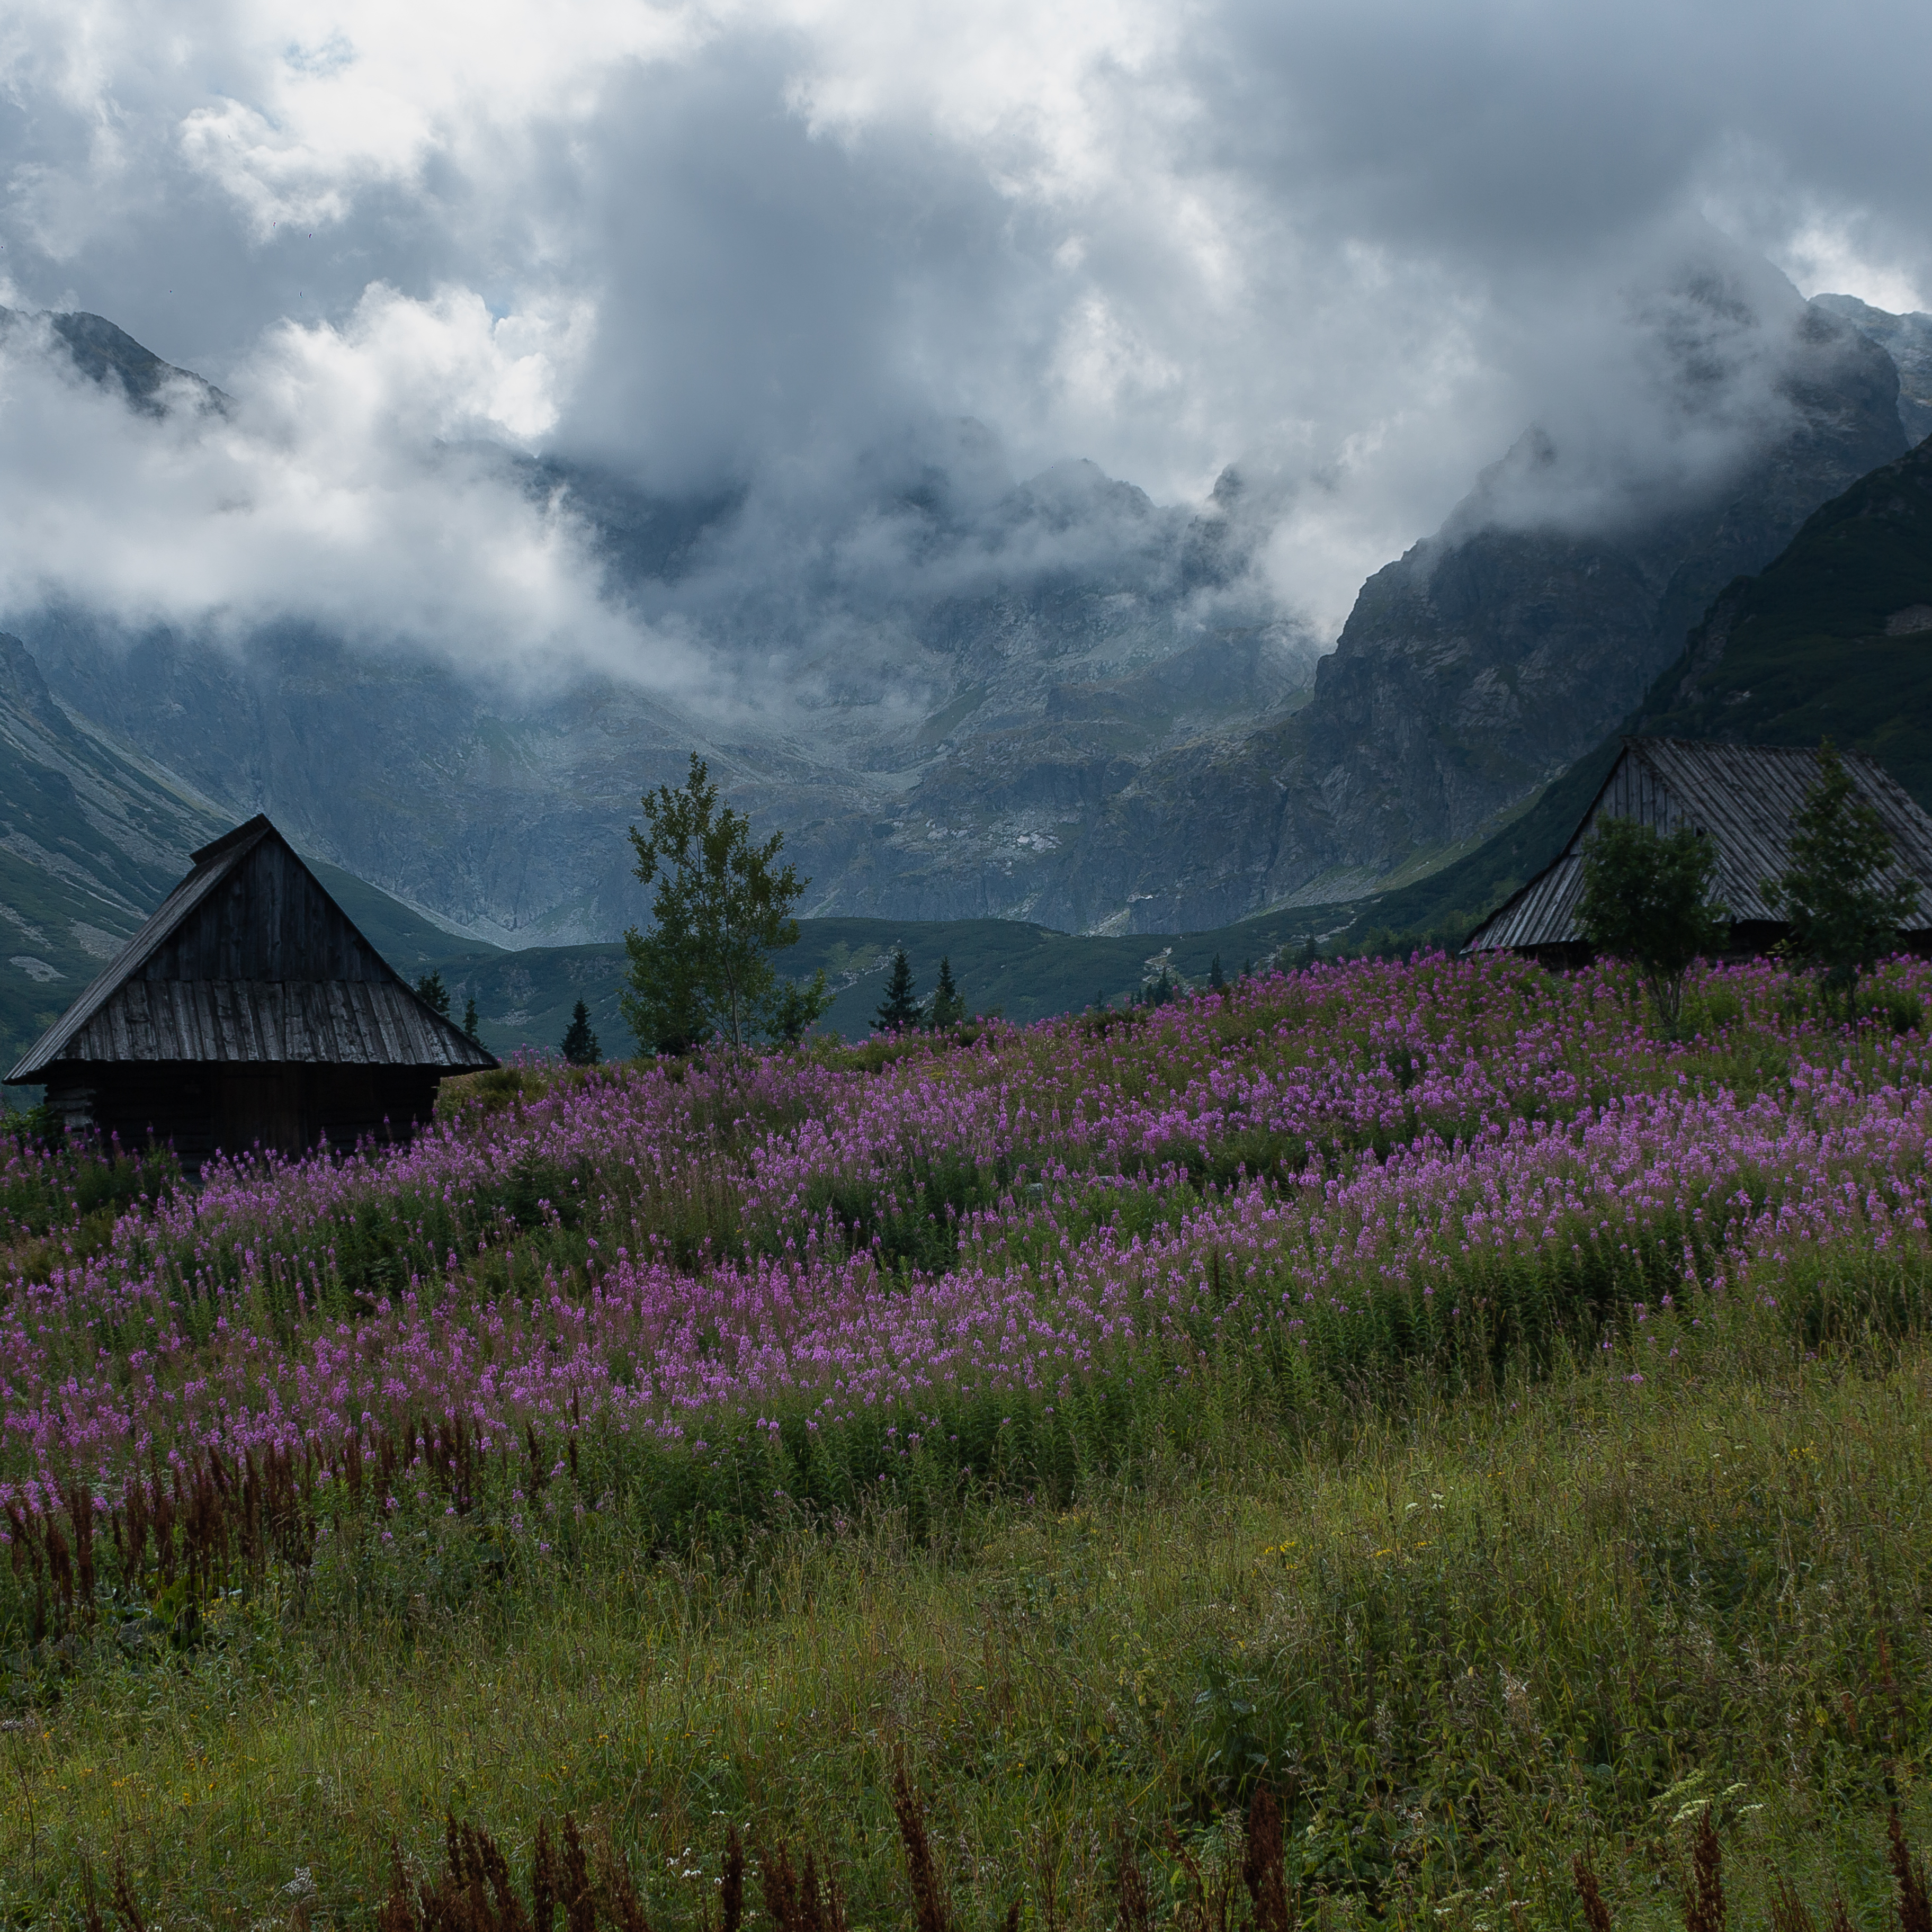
[
  {"x": 247, "y": 1012},
  {"x": 1743, "y": 797}
]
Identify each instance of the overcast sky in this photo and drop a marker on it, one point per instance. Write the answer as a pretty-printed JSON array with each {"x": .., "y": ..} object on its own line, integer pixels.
[{"x": 1355, "y": 246}]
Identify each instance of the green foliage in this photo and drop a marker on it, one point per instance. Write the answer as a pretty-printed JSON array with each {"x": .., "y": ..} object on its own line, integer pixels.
[
  {"x": 1216, "y": 978},
  {"x": 470, "y": 1017},
  {"x": 433, "y": 993},
  {"x": 949, "y": 1004},
  {"x": 1160, "y": 989},
  {"x": 81, "y": 1189},
  {"x": 1391, "y": 1613},
  {"x": 800, "y": 1005},
  {"x": 723, "y": 906},
  {"x": 580, "y": 1047},
  {"x": 1844, "y": 914},
  {"x": 898, "y": 1011},
  {"x": 1645, "y": 900}
]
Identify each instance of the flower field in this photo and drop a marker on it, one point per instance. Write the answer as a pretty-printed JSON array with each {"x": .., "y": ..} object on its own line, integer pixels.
[
  {"x": 852, "y": 1267},
  {"x": 1421, "y": 1393}
]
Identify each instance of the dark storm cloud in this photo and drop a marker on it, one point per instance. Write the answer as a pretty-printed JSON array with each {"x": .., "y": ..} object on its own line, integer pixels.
[{"x": 778, "y": 256}]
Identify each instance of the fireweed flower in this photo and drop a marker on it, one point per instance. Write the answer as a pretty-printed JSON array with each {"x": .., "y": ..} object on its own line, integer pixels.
[{"x": 1328, "y": 1168}]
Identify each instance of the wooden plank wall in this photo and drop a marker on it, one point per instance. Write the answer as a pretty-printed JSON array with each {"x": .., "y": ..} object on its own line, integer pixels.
[
  {"x": 268, "y": 920},
  {"x": 201, "y": 1110}
]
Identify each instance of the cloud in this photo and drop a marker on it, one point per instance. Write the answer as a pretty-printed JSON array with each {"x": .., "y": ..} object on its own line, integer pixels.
[
  {"x": 773, "y": 254},
  {"x": 359, "y": 483}
]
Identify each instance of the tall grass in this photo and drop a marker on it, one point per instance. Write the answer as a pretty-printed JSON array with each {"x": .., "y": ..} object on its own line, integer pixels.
[
  {"x": 1459, "y": 1644},
  {"x": 1409, "y": 1405}
]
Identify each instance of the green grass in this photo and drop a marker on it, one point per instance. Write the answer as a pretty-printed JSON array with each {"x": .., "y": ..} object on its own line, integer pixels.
[{"x": 1463, "y": 1639}]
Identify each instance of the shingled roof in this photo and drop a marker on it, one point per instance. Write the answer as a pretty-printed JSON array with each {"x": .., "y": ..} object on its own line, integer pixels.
[
  {"x": 1744, "y": 797},
  {"x": 250, "y": 960}
]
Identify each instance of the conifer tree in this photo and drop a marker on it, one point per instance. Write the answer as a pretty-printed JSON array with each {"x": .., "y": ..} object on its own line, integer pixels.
[
  {"x": 1216, "y": 978},
  {"x": 433, "y": 994},
  {"x": 949, "y": 1006},
  {"x": 898, "y": 1011},
  {"x": 1844, "y": 912},
  {"x": 580, "y": 1043},
  {"x": 470, "y": 1018}
]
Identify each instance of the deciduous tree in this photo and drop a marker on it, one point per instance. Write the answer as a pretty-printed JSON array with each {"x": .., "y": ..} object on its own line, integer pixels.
[
  {"x": 723, "y": 906},
  {"x": 1645, "y": 900}
]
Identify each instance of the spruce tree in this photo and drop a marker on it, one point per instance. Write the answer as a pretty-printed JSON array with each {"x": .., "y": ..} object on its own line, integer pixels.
[
  {"x": 1216, "y": 978},
  {"x": 898, "y": 1011},
  {"x": 433, "y": 994},
  {"x": 580, "y": 1043},
  {"x": 1844, "y": 911},
  {"x": 949, "y": 1007},
  {"x": 470, "y": 1018}
]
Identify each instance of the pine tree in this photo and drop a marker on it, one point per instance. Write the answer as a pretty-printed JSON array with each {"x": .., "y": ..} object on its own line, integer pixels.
[
  {"x": 580, "y": 1043},
  {"x": 797, "y": 1009},
  {"x": 1216, "y": 978},
  {"x": 898, "y": 1011},
  {"x": 949, "y": 1007},
  {"x": 470, "y": 1018},
  {"x": 433, "y": 994}
]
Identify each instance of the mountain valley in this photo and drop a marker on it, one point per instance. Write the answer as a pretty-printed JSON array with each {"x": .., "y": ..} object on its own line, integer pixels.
[{"x": 1080, "y": 712}]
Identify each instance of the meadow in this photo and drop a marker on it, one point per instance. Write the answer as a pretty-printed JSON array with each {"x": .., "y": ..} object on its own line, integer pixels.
[{"x": 1420, "y": 1405}]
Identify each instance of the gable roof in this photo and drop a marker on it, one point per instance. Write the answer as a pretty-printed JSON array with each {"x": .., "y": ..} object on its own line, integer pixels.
[
  {"x": 1743, "y": 796},
  {"x": 249, "y": 960}
]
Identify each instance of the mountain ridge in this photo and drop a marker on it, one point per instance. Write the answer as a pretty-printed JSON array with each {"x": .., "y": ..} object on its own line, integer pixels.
[{"x": 1099, "y": 723}]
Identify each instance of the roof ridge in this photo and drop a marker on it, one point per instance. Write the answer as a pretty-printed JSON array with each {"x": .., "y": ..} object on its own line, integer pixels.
[
  {"x": 250, "y": 829},
  {"x": 212, "y": 863}
]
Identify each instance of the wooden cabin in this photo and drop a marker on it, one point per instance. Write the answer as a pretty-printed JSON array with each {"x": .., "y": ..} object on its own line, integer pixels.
[
  {"x": 1742, "y": 796},
  {"x": 248, "y": 1012}
]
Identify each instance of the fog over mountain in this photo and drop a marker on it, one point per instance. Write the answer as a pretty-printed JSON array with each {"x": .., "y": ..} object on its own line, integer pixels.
[{"x": 969, "y": 427}]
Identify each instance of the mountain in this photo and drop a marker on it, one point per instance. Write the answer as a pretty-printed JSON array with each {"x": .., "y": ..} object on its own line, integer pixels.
[
  {"x": 1053, "y": 638},
  {"x": 1488, "y": 658},
  {"x": 1053, "y": 701},
  {"x": 108, "y": 355},
  {"x": 1834, "y": 636},
  {"x": 92, "y": 835},
  {"x": 1907, "y": 340}
]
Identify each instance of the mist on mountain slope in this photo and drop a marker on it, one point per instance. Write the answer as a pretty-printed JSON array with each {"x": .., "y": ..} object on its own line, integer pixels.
[{"x": 959, "y": 694}]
